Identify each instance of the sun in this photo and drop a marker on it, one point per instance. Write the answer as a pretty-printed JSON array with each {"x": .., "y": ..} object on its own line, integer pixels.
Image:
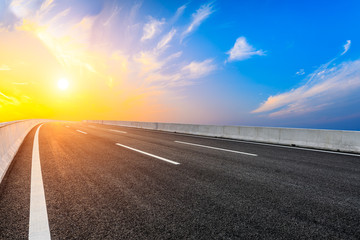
[{"x": 63, "y": 84}]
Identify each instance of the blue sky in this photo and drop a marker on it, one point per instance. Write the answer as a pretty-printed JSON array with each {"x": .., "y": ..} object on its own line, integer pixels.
[
  {"x": 290, "y": 42},
  {"x": 259, "y": 63}
]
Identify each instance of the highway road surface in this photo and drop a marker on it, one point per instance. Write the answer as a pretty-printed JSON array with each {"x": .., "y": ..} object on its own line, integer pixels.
[{"x": 90, "y": 181}]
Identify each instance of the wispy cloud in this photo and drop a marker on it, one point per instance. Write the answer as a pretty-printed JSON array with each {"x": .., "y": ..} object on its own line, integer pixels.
[
  {"x": 21, "y": 8},
  {"x": 326, "y": 87},
  {"x": 199, "y": 69},
  {"x": 300, "y": 72},
  {"x": 243, "y": 50},
  {"x": 179, "y": 13},
  {"x": 5, "y": 100},
  {"x": 183, "y": 76},
  {"x": 346, "y": 47},
  {"x": 46, "y": 6},
  {"x": 152, "y": 28},
  {"x": 4, "y": 96},
  {"x": 198, "y": 17},
  {"x": 4, "y": 68},
  {"x": 148, "y": 61},
  {"x": 7, "y": 18},
  {"x": 127, "y": 58},
  {"x": 166, "y": 39},
  {"x": 113, "y": 13}
]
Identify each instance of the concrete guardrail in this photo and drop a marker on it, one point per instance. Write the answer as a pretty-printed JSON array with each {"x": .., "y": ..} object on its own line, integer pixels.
[
  {"x": 335, "y": 140},
  {"x": 12, "y": 134}
]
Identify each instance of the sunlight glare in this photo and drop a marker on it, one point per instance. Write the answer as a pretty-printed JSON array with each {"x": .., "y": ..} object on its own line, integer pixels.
[{"x": 63, "y": 84}]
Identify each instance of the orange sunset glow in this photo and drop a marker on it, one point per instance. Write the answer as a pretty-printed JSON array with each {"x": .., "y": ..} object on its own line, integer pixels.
[
  {"x": 51, "y": 67},
  {"x": 184, "y": 62}
]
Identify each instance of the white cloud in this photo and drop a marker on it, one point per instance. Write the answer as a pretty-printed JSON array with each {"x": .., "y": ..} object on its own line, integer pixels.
[
  {"x": 4, "y": 68},
  {"x": 109, "y": 47},
  {"x": 166, "y": 39},
  {"x": 46, "y": 6},
  {"x": 324, "y": 88},
  {"x": 174, "y": 56},
  {"x": 199, "y": 69},
  {"x": 181, "y": 76},
  {"x": 243, "y": 50},
  {"x": 179, "y": 12},
  {"x": 149, "y": 62},
  {"x": 198, "y": 17},
  {"x": 20, "y": 8},
  {"x": 346, "y": 47},
  {"x": 300, "y": 72},
  {"x": 152, "y": 28}
]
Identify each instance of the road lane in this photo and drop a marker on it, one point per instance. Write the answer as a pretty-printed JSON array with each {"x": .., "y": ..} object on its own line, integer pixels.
[
  {"x": 272, "y": 145},
  {"x": 167, "y": 148},
  {"x": 273, "y": 155},
  {"x": 95, "y": 189},
  {"x": 320, "y": 186},
  {"x": 325, "y": 168}
]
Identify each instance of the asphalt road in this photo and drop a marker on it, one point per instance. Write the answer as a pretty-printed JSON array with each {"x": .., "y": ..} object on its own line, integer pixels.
[{"x": 107, "y": 182}]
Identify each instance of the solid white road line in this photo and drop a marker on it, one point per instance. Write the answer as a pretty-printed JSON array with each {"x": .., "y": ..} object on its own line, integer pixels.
[
  {"x": 149, "y": 154},
  {"x": 116, "y": 131},
  {"x": 216, "y": 148},
  {"x": 81, "y": 132},
  {"x": 38, "y": 223}
]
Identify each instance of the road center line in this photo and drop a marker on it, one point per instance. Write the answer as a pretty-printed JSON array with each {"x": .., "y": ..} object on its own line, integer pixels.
[
  {"x": 81, "y": 132},
  {"x": 216, "y": 148},
  {"x": 38, "y": 223},
  {"x": 117, "y": 131},
  {"x": 149, "y": 154}
]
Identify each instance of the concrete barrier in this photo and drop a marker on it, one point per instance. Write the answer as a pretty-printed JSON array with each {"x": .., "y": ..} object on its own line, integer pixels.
[
  {"x": 335, "y": 140},
  {"x": 12, "y": 135}
]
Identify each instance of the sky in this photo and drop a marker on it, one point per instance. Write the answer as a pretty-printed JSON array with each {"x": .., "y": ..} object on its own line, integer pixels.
[{"x": 252, "y": 63}]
